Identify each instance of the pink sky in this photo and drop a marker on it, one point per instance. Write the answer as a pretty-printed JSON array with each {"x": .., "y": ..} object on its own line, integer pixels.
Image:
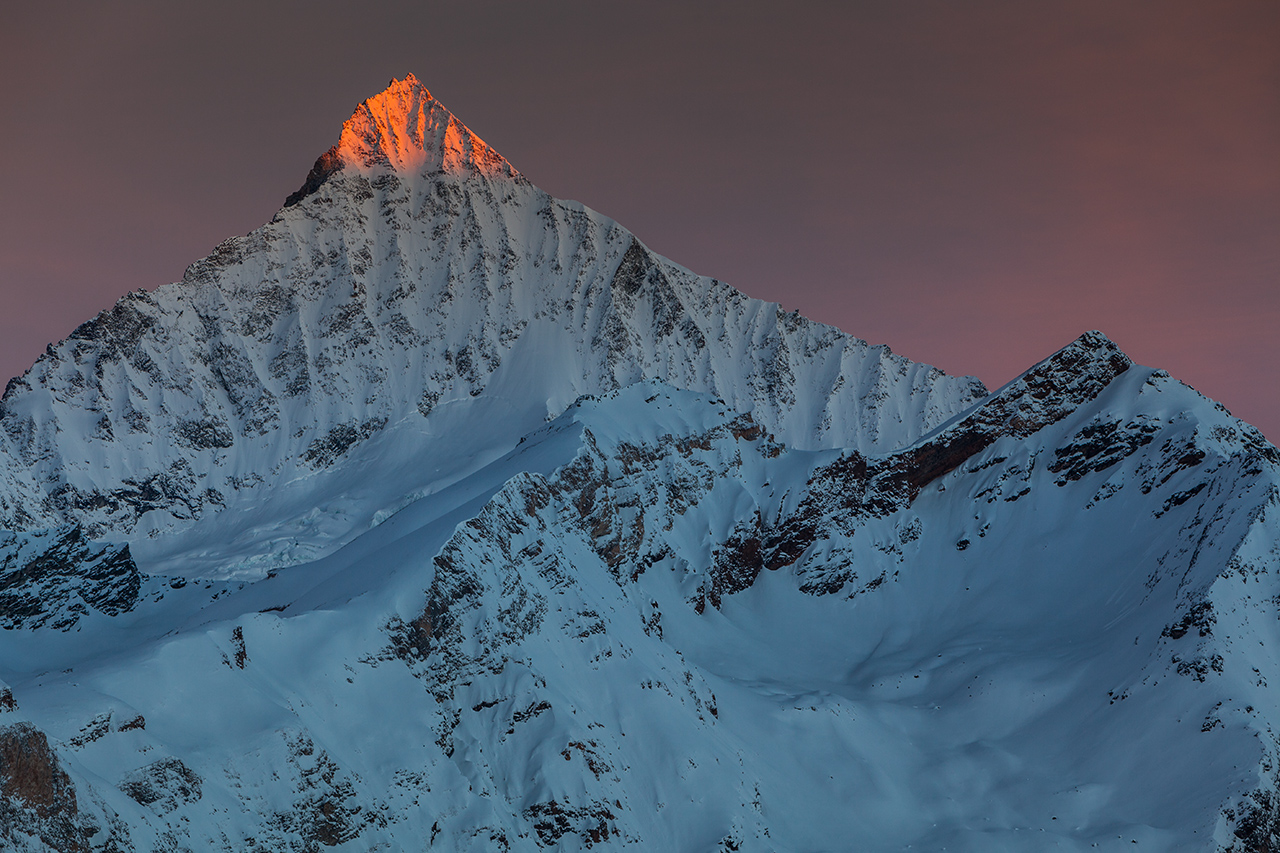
[{"x": 974, "y": 184}]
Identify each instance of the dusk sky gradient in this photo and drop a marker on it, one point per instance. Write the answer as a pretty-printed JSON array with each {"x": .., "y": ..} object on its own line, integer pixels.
[{"x": 974, "y": 184}]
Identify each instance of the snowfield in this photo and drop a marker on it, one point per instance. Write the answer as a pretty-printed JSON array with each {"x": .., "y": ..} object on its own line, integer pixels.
[{"x": 441, "y": 514}]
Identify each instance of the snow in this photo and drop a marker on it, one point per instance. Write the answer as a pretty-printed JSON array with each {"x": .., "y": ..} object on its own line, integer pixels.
[
  {"x": 385, "y": 325},
  {"x": 561, "y": 546}
]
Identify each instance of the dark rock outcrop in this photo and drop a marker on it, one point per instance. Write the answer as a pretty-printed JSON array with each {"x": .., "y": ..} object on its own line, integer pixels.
[
  {"x": 326, "y": 165},
  {"x": 54, "y": 577}
]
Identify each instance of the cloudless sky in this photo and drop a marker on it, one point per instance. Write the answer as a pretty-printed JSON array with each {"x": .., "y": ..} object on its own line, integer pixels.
[{"x": 974, "y": 184}]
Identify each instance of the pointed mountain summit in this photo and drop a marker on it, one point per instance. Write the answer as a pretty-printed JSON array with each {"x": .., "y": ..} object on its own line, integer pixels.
[
  {"x": 405, "y": 130},
  {"x": 414, "y": 309}
]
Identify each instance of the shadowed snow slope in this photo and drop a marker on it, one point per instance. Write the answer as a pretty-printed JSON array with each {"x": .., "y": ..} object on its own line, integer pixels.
[{"x": 572, "y": 549}]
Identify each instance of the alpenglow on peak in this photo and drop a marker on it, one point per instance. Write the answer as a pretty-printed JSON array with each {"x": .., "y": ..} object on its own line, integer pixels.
[
  {"x": 438, "y": 511},
  {"x": 404, "y": 129}
]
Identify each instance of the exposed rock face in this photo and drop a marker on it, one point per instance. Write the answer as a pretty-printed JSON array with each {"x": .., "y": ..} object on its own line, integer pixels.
[
  {"x": 163, "y": 785},
  {"x": 328, "y": 163},
  {"x": 1044, "y": 395},
  {"x": 37, "y": 799},
  {"x": 29, "y": 772},
  {"x": 54, "y": 577}
]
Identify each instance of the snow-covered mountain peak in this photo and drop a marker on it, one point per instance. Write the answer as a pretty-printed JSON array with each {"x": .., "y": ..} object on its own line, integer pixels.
[
  {"x": 415, "y": 309},
  {"x": 405, "y": 130},
  {"x": 438, "y": 511}
]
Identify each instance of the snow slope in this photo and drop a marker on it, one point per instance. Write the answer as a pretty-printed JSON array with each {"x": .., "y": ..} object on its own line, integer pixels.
[
  {"x": 643, "y": 589},
  {"x": 362, "y": 346}
]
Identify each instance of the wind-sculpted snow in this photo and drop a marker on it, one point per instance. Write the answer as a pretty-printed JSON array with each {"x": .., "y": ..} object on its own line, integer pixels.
[{"x": 419, "y": 291}]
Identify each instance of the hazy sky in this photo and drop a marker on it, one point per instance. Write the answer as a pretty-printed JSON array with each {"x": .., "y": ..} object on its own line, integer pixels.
[{"x": 973, "y": 183}]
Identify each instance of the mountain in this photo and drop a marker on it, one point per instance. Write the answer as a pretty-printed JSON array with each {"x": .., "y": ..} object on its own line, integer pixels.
[
  {"x": 438, "y": 513},
  {"x": 414, "y": 309}
]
